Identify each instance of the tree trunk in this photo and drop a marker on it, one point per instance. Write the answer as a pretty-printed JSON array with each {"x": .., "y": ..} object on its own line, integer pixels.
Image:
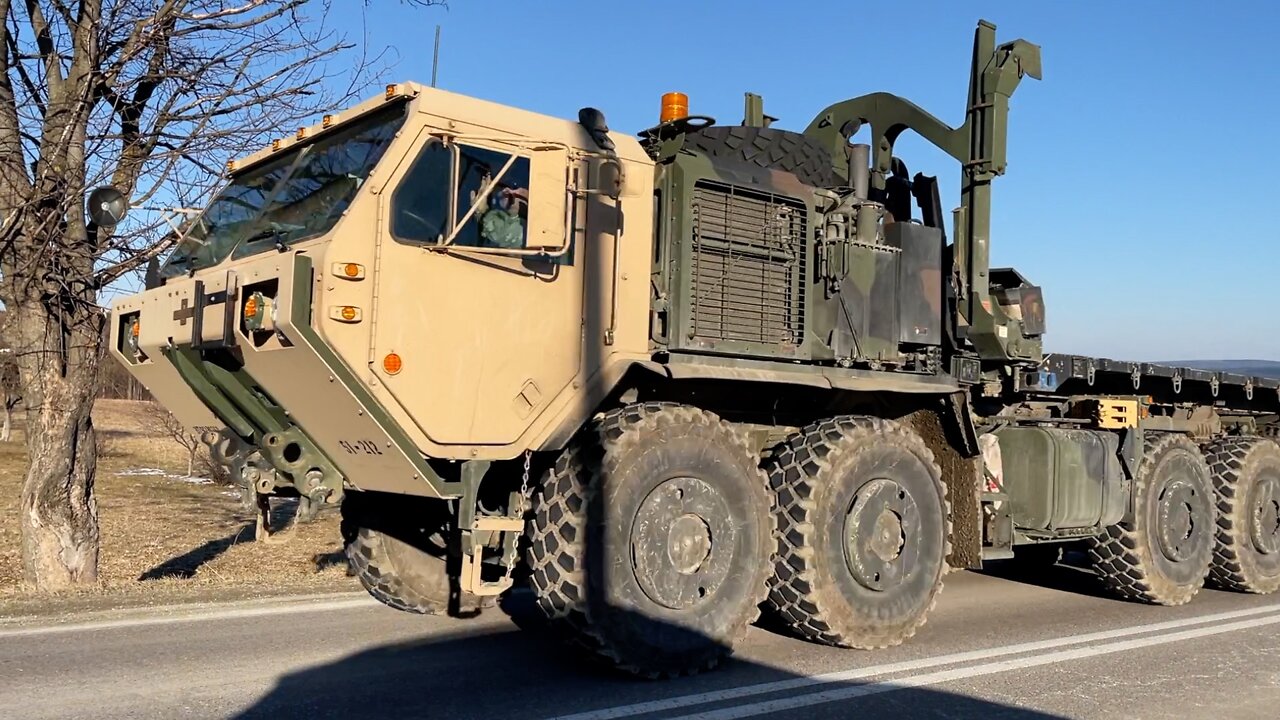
[
  {"x": 6, "y": 432},
  {"x": 58, "y": 375}
]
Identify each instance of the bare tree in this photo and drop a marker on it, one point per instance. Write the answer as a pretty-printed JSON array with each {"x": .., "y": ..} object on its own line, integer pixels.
[
  {"x": 177, "y": 432},
  {"x": 152, "y": 96},
  {"x": 10, "y": 391}
]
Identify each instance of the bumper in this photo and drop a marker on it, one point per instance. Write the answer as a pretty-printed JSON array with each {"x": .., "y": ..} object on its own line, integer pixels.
[{"x": 289, "y": 401}]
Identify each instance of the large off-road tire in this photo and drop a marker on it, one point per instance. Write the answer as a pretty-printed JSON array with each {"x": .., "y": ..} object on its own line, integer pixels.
[
  {"x": 863, "y": 532},
  {"x": 1246, "y": 479},
  {"x": 649, "y": 545},
  {"x": 398, "y": 549},
  {"x": 766, "y": 147},
  {"x": 1161, "y": 554}
]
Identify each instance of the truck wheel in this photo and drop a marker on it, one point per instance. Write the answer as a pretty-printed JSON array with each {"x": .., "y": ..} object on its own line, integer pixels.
[
  {"x": 1246, "y": 480},
  {"x": 397, "y": 547},
  {"x": 1161, "y": 556},
  {"x": 650, "y": 539},
  {"x": 863, "y": 532}
]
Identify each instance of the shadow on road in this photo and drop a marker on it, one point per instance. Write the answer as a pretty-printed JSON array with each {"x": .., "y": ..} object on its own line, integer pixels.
[
  {"x": 1072, "y": 574},
  {"x": 509, "y": 673}
]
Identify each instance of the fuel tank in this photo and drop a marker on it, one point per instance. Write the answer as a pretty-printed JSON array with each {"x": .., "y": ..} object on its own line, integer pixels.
[{"x": 1059, "y": 479}]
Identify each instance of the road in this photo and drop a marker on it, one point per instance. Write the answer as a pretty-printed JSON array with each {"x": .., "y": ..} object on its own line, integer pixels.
[{"x": 995, "y": 647}]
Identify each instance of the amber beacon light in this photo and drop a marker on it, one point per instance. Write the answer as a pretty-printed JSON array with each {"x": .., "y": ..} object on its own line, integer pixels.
[{"x": 675, "y": 105}]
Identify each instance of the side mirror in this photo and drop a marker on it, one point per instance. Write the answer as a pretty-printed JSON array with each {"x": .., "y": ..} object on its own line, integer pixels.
[
  {"x": 549, "y": 197},
  {"x": 107, "y": 206},
  {"x": 152, "y": 278}
]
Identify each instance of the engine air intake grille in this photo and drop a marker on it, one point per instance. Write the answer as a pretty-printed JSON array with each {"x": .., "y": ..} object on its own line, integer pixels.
[{"x": 748, "y": 266}]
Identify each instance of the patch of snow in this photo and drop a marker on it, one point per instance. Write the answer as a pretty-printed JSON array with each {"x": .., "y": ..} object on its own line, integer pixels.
[
  {"x": 157, "y": 472},
  {"x": 143, "y": 471}
]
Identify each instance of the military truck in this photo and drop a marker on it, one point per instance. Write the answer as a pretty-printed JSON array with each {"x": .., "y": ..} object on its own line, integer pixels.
[{"x": 670, "y": 381}]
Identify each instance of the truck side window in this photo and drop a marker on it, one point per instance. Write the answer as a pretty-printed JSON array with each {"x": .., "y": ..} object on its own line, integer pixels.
[
  {"x": 503, "y": 221},
  {"x": 420, "y": 205}
]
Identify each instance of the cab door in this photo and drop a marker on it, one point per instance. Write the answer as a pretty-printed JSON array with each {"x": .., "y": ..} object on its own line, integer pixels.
[{"x": 485, "y": 325}]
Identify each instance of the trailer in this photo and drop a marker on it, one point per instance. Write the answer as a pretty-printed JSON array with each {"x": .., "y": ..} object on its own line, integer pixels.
[{"x": 670, "y": 381}]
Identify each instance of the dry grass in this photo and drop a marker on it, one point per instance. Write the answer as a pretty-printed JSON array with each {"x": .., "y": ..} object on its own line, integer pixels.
[{"x": 164, "y": 537}]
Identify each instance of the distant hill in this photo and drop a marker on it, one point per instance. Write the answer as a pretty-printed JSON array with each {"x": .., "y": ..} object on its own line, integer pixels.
[{"x": 1256, "y": 368}]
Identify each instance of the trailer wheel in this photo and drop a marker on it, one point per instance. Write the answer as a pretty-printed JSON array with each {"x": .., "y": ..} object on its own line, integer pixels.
[
  {"x": 1161, "y": 555},
  {"x": 1246, "y": 479},
  {"x": 863, "y": 532},
  {"x": 398, "y": 549},
  {"x": 649, "y": 542}
]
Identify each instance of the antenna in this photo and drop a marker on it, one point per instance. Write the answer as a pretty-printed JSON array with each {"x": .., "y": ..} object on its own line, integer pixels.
[{"x": 435, "y": 58}]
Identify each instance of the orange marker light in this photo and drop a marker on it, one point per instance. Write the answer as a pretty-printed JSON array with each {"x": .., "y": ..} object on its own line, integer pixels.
[
  {"x": 251, "y": 307},
  {"x": 675, "y": 105},
  {"x": 348, "y": 313},
  {"x": 391, "y": 363},
  {"x": 351, "y": 270}
]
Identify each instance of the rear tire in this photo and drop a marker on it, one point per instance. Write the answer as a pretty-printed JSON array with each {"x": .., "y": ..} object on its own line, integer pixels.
[
  {"x": 650, "y": 539},
  {"x": 398, "y": 549},
  {"x": 863, "y": 532},
  {"x": 1162, "y": 554},
  {"x": 1246, "y": 479}
]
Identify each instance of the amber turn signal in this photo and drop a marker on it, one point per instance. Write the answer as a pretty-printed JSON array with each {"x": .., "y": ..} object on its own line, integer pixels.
[
  {"x": 391, "y": 363},
  {"x": 251, "y": 307}
]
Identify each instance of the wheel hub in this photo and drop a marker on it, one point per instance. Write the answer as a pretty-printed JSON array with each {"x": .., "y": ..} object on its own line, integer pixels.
[
  {"x": 881, "y": 534},
  {"x": 1266, "y": 516},
  {"x": 1179, "y": 504},
  {"x": 681, "y": 542}
]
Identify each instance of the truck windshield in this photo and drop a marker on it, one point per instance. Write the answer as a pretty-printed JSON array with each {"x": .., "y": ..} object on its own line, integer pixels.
[{"x": 295, "y": 196}]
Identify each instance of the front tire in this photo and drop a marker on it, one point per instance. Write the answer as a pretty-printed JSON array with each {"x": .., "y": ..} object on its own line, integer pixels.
[
  {"x": 398, "y": 548},
  {"x": 1246, "y": 478},
  {"x": 863, "y": 532},
  {"x": 649, "y": 542},
  {"x": 1162, "y": 554}
]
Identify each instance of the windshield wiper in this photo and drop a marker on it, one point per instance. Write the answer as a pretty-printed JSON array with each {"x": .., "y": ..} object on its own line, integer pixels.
[{"x": 274, "y": 233}]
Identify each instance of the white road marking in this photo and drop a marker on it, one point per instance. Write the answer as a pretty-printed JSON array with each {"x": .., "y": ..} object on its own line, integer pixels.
[
  {"x": 188, "y": 614},
  {"x": 703, "y": 698},
  {"x": 937, "y": 678}
]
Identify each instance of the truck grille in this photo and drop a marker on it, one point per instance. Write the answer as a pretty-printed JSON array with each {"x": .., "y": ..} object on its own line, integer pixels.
[{"x": 748, "y": 265}]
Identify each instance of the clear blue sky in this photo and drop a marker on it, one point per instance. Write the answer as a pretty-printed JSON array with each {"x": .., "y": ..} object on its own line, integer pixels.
[{"x": 1139, "y": 168}]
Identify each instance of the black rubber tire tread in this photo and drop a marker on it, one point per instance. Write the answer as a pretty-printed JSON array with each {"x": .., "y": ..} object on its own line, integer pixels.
[
  {"x": 1230, "y": 459},
  {"x": 378, "y": 575},
  {"x": 559, "y": 531},
  {"x": 766, "y": 147},
  {"x": 797, "y": 468},
  {"x": 379, "y": 561},
  {"x": 1123, "y": 556}
]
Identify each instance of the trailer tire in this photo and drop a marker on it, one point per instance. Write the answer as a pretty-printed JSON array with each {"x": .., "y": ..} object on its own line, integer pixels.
[
  {"x": 833, "y": 582},
  {"x": 674, "y": 495},
  {"x": 403, "y": 564},
  {"x": 1162, "y": 564},
  {"x": 1246, "y": 480}
]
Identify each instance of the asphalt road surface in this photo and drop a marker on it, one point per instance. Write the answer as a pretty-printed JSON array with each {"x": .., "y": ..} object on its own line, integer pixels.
[{"x": 995, "y": 647}]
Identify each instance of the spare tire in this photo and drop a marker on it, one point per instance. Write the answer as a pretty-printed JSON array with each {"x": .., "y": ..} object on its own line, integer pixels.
[{"x": 769, "y": 148}]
